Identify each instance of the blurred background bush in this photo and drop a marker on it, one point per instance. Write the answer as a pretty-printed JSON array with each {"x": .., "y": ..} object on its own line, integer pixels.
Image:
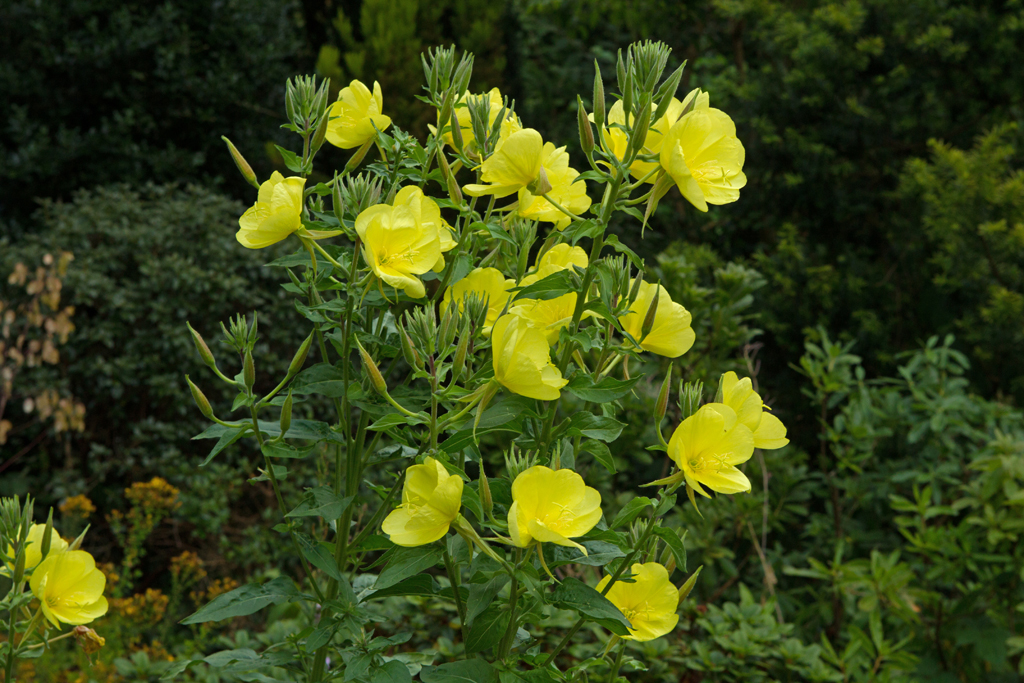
[{"x": 871, "y": 278}]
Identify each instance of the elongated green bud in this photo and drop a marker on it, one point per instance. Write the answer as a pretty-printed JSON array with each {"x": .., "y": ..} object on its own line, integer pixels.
[
  {"x": 376, "y": 379},
  {"x": 668, "y": 560},
  {"x": 248, "y": 371},
  {"x": 243, "y": 166},
  {"x": 586, "y": 132},
  {"x": 640, "y": 127},
  {"x": 652, "y": 312},
  {"x": 19, "y": 564},
  {"x": 489, "y": 390},
  {"x": 686, "y": 588},
  {"x": 447, "y": 104},
  {"x": 77, "y": 543},
  {"x": 667, "y": 91},
  {"x": 359, "y": 155},
  {"x": 661, "y": 407},
  {"x": 634, "y": 291},
  {"x": 485, "y": 492},
  {"x": 300, "y": 356},
  {"x": 200, "y": 399},
  {"x": 320, "y": 135},
  {"x": 337, "y": 201},
  {"x": 456, "y": 129},
  {"x": 202, "y": 348},
  {"x": 459, "y": 361},
  {"x": 620, "y": 74},
  {"x": 44, "y": 548},
  {"x": 286, "y": 414},
  {"x": 598, "y": 96},
  {"x": 412, "y": 357}
]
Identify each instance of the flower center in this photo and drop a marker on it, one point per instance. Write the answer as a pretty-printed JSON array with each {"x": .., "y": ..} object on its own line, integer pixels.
[{"x": 388, "y": 259}]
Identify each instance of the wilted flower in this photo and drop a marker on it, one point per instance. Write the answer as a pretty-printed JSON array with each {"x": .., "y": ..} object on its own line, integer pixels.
[
  {"x": 69, "y": 588},
  {"x": 431, "y": 500},
  {"x": 739, "y": 394},
  {"x": 649, "y": 602},
  {"x": 398, "y": 248},
  {"x": 356, "y": 117},
  {"x": 276, "y": 214},
  {"x": 671, "y": 334},
  {"x": 569, "y": 194},
  {"x": 705, "y": 158},
  {"x": 522, "y": 360},
  {"x": 552, "y": 506},
  {"x": 515, "y": 164},
  {"x": 489, "y": 285},
  {"x": 34, "y": 548},
  {"x": 708, "y": 445}
]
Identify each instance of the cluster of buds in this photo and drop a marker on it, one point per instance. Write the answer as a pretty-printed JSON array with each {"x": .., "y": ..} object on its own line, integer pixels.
[
  {"x": 306, "y": 104},
  {"x": 355, "y": 194}
]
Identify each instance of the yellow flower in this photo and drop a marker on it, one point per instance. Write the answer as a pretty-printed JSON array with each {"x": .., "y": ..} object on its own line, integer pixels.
[
  {"x": 34, "y": 548},
  {"x": 427, "y": 214},
  {"x": 705, "y": 158},
  {"x": 516, "y": 163},
  {"x": 276, "y": 214},
  {"x": 659, "y": 129},
  {"x": 522, "y": 361},
  {"x": 650, "y": 602},
  {"x": 563, "y": 256},
  {"x": 739, "y": 394},
  {"x": 671, "y": 335},
  {"x": 354, "y": 116},
  {"x": 495, "y": 102},
  {"x": 431, "y": 500},
  {"x": 397, "y": 247},
  {"x": 69, "y": 588},
  {"x": 547, "y": 315},
  {"x": 571, "y": 195},
  {"x": 487, "y": 283},
  {"x": 708, "y": 445},
  {"x": 552, "y": 506}
]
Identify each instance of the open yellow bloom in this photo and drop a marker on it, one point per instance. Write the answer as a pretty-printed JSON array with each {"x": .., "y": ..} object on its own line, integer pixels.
[
  {"x": 571, "y": 195},
  {"x": 397, "y": 247},
  {"x": 427, "y": 214},
  {"x": 659, "y": 129},
  {"x": 671, "y": 335},
  {"x": 552, "y": 506},
  {"x": 354, "y": 116},
  {"x": 489, "y": 285},
  {"x": 522, "y": 360},
  {"x": 431, "y": 500},
  {"x": 69, "y": 588},
  {"x": 739, "y": 394},
  {"x": 547, "y": 315},
  {"x": 276, "y": 214},
  {"x": 708, "y": 445},
  {"x": 650, "y": 602},
  {"x": 516, "y": 163},
  {"x": 563, "y": 256},
  {"x": 705, "y": 158},
  {"x": 34, "y": 548}
]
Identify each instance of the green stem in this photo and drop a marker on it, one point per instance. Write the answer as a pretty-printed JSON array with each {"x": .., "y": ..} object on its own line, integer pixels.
[
  {"x": 561, "y": 208},
  {"x": 453, "y": 577},
  {"x": 618, "y": 663},
  {"x": 513, "y": 600}
]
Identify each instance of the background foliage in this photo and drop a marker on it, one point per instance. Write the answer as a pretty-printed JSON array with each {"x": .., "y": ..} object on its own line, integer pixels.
[{"x": 884, "y": 210}]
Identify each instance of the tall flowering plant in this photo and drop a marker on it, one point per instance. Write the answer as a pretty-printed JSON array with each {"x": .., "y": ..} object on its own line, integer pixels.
[{"x": 461, "y": 291}]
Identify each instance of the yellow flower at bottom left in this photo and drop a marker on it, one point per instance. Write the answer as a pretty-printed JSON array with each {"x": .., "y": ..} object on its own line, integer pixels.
[
  {"x": 431, "y": 500},
  {"x": 69, "y": 588}
]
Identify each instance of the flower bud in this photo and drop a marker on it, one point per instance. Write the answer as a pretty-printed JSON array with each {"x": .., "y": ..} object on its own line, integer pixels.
[
  {"x": 248, "y": 371},
  {"x": 446, "y": 333},
  {"x": 684, "y": 590},
  {"x": 337, "y": 201},
  {"x": 661, "y": 407},
  {"x": 640, "y": 126},
  {"x": 667, "y": 91},
  {"x": 586, "y": 132},
  {"x": 376, "y": 379},
  {"x": 320, "y": 135},
  {"x": 44, "y": 547},
  {"x": 485, "y": 492},
  {"x": 19, "y": 564},
  {"x": 454, "y": 192},
  {"x": 634, "y": 291},
  {"x": 620, "y": 74},
  {"x": 300, "y": 356},
  {"x": 598, "y": 97},
  {"x": 541, "y": 185},
  {"x": 668, "y": 560},
  {"x": 243, "y": 166},
  {"x": 459, "y": 361},
  {"x": 202, "y": 348},
  {"x": 286, "y": 414},
  {"x": 457, "y": 137},
  {"x": 200, "y": 399},
  {"x": 359, "y": 155},
  {"x": 445, "y": 114},
  {"x": 412, "y": 357},
  {"x": 652, "y": 311},
  {"x": 489, "y": 390}
]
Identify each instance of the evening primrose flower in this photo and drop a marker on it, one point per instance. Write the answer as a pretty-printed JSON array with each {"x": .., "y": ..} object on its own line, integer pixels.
[
  {"x": 522, "y": 360},
  {"x": 569, "y": 194},
  {"x": 69, "y": 588},
  {"x": 516, "y": 163},
  {"x": 431, "y": 500},
  {"x": 490, "y": 285},
  {"x": 564, "y": 256},
  {"x": 397, "y": 247},
  {"x": 547, "y": 315},
  {"x": 649, "y": 603},
  {"x": 427, "y": 214},
  {"x": 659, "y": 129},
  {"x": 276, "y": 214},
  {"x": 552, "y": 506},
  {"x": 708, "y": 445},
  {"x": 702, "y": 154},
  {"x": 671, "y": 335},
  {"x": 34, "y": 548},
  {"x": 356, "y": 117},
  {"x": 739, "y": 394}
]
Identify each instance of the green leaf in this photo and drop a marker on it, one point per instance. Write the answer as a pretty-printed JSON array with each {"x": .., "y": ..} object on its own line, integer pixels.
[
  {"x": 396, "y": 419},
  {"x": 630, "y": 512},
  {"x": 608, "y": 389},
  {"x": 481, "y": 595},
  {"x": 601, "y": 453},
  {"x": 245, "y": 600},
  {"x": 283, "y": 450},
  {"x": 322, "y": 378},
  {"x": 487, "y": 629},
  {"x": 319, "y": 555},
  {"x": 550, "y": 287},
  {"x": 613, "y": 242},
  {"x": 406, "y": 562},
  {"x": 464, "y": 671},
  {"x": 599, "y": 553},
  {"x": 592, "y": 426},
  {"x": 498, "y": 418},
  {"x": 674, "y": 543},
  {"x": 420, "y": 584},
  {"x": 392, "y": 672},
  {"x": 321, "y": 502},
  {"x": 227, "y": 437},
  {"x": 575, "y": 595},
  {"x": 577, "y": 230}
]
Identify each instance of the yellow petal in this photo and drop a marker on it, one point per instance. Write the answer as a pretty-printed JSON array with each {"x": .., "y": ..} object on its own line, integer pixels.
[{"x": 771, "y": 433}]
